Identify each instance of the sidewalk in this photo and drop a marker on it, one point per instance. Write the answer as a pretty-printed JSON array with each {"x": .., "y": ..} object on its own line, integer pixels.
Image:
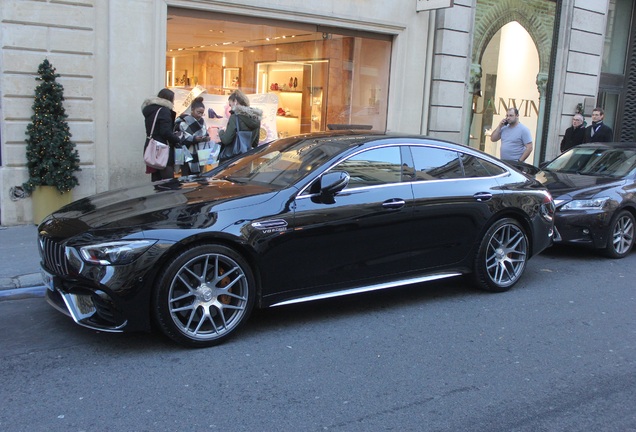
[{"x": 19, "y": 262}]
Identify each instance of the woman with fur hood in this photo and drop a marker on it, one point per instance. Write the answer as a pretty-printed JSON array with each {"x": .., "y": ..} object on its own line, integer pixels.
[
  {"x": 249, "y": 118},
  {"x": 163, "y": 131}
]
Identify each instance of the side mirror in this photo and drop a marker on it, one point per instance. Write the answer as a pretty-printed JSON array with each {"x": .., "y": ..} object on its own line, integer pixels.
[{"x": 330, "y": 184}]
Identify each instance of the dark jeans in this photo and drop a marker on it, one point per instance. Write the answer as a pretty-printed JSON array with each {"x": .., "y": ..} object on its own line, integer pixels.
[{"x": 166, "y": 173}]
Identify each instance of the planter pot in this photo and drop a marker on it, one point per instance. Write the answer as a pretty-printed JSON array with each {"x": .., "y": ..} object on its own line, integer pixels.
[{"x": 47, "y": 199}]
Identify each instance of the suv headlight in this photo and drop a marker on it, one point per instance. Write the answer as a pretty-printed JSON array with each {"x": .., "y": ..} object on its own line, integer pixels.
[
  {"x": 590, "y": 204},
  {"x": 115, "y": 253}
]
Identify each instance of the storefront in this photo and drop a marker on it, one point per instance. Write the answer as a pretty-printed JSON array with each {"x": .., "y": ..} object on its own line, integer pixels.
[
  {"x": 421, "y": 67},
  {"x": 306, "y": 78}
]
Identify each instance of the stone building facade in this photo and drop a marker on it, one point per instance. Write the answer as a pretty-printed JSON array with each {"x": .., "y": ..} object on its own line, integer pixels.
[{"x": 111, "y": 55}]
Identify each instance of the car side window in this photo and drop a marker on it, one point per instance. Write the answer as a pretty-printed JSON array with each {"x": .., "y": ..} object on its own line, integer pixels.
[
  {"x": 477, "y": 167},
  {"x": 435, "y": 164},
  {"x": 373, "y": 167}
]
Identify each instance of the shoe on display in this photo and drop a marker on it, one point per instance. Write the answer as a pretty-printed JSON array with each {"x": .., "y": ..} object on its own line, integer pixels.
[{"x": 212, "y": 114}]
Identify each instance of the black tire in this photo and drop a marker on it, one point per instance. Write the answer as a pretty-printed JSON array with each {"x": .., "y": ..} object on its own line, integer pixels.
[
  {"x": 620, "y": 236},
  {"x": 203, "y": 296},
  {"x": 502, "y": 256}
]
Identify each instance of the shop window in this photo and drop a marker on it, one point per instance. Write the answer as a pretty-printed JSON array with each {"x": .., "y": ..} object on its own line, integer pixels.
[
  {"x": 311, "y": 76},
  {"x": 617, "y": 36}
]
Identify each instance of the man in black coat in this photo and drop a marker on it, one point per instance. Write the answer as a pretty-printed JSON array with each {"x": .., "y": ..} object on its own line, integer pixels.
[
  {"x": 597, "y": 131},
  {"x": 575, "y": 134}
]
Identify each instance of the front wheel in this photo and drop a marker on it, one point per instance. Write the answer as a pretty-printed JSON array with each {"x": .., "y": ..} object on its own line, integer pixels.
[
  {"x": 502, "y": 256},
  {"x": 204, "y": 295},
  {"x": 620, "y": 236}
]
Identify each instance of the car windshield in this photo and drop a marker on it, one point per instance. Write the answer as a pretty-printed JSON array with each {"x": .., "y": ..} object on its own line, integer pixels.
[
  {"x": 608, "y": 162},
  {"x": 280, "y": 163}
]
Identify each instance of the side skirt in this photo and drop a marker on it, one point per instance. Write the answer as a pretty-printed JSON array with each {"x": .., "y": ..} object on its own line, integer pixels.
[{"x": 367, "y": 288}]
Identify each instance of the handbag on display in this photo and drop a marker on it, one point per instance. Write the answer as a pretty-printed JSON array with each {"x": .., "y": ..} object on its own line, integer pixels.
[
  {"x": 156, "y": 153},
  {"x": 242, "y": 143}
]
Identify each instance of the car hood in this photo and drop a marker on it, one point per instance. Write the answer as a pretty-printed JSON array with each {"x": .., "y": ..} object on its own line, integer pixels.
[
  {"x": 575, "y": 185},
  {"x": 182, "y": 203}
]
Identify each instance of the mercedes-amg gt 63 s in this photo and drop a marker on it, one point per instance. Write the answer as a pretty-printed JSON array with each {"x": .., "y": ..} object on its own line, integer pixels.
[{"x": 302, "y": 218}]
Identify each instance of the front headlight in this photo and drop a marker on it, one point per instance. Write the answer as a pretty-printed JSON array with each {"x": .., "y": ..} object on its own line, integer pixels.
[
  {"x": 591, "y": 204},
  {"x": 115, "y": 253}
]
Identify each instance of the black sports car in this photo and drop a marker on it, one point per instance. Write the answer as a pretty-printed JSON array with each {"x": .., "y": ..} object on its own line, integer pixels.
[
  {"x": 594, "y": 188},
  {"x": 301, "y": 218}
]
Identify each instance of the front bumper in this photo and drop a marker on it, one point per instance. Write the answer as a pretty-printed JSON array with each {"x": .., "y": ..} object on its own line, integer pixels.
[
  {"x": 92, "y": 309},
  {"x": 583, "y": 228},
  {"x": 111, "y": 298}
]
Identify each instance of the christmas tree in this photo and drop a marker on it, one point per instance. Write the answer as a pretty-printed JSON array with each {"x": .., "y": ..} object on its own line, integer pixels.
[{"x": 51, "y": 156}]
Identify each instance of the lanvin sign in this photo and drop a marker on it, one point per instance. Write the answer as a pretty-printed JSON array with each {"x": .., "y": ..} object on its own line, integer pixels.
[{"x": 527, "y": 108}]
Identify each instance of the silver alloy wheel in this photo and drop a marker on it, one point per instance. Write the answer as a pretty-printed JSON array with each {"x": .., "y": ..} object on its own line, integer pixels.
[
  {"x": 208, "y": 297},
  {"x": 506, "y": 255},
  {"x": 623, "y": 234}
]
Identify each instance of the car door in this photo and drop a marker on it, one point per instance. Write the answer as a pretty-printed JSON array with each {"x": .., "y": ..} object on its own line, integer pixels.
[
  {"x": 454, "y": 196},
  {"x": 359, "y": 237}
]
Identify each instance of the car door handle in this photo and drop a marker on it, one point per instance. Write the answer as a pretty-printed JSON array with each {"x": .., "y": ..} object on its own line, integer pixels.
[
  {"x": 482, "y": 196},
  {"x": 394, "y": 203}
]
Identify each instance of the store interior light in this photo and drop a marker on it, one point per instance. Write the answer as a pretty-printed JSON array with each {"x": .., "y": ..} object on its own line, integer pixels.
[{"x": 263, "y": 40}]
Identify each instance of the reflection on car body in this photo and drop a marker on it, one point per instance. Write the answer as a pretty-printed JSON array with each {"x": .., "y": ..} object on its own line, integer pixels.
[{"x": 302, "y": 218}]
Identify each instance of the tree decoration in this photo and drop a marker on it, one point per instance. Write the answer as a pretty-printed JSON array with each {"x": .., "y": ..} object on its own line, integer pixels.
[{"x": 51, "y": 156}]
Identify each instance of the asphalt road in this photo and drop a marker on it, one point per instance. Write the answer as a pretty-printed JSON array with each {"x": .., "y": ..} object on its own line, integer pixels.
[{"x": 556, "y": 353}]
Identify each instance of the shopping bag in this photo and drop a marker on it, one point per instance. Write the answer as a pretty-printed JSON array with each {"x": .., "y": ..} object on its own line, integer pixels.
[
  {"x": 214, "y": 154},
  {"x": 179, "y": 156},
  {"x": 187, "y": 156},
  {"x": 194, "y": 167},
  {"x": 204, "y": 153}
]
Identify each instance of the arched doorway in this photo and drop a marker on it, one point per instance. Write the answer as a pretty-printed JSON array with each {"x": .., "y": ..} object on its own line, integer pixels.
[
  {"x": 512, "y": 45},
  {"x": 509, "y": 67}
]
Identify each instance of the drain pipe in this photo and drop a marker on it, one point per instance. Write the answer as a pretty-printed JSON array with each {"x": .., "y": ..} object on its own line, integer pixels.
[{"x": 428, "y": 72}]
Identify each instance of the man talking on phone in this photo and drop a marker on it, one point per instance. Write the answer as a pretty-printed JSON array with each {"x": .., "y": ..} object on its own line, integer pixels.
[{"x": 516, "y": 139}]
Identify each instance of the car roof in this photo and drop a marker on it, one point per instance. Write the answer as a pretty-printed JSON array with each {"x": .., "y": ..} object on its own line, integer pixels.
[
  {"x": 353, "y": 137},
  {"x": 629, "y": 145}
]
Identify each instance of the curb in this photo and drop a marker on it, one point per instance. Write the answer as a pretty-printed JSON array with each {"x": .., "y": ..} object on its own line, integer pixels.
[
  {"x": 22, "y": 293},
  {"x": 22, "y": 281},
  {"x": 20, "y": 287}
]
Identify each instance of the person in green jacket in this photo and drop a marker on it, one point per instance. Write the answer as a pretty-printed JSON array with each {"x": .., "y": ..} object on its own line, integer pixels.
[{"x": 249, "y": 118}]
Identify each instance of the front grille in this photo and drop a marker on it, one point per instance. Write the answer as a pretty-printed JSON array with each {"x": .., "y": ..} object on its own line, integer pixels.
[{"x": 53, "y": 255}]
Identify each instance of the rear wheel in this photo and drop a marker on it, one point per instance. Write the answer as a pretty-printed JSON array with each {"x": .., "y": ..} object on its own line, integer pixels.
[
  {"x": 502, "y": 256},
  {"x": 204, "y": 295},
  {"x": 620, "y": 236}
]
